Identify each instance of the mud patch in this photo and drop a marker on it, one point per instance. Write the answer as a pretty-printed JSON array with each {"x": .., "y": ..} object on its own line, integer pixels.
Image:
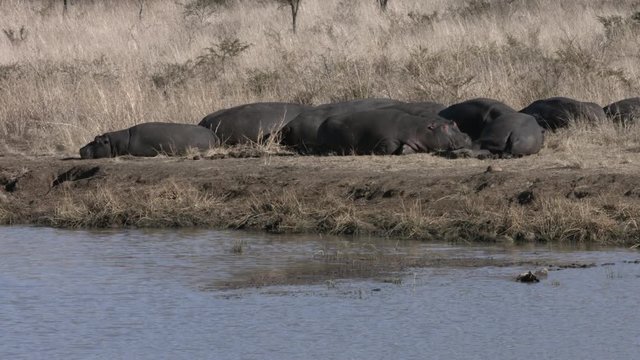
[
  {"x": 76, "y": 173},
  {"x": 382, "y": 267},
  {"x": 9, "y": 180}
]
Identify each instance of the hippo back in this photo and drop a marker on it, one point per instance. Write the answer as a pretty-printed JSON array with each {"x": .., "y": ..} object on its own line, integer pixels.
[
  {"x": 301, "y": 132},
  {"x": 471, "y": 115},
  {"x": 388, "y": 131},
  {"x": 423, "y": 109},
  {"x": 515, "y": 134},
  {"x": 624, "y": 111},
  {"x": 151, "y": 139},
  {"x": 251, "y": 122},
  {"x": 558, "y": 112}
]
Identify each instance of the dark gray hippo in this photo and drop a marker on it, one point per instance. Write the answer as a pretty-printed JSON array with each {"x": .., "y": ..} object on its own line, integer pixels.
[
  {"x": 471, "y": 115},
  {"x": 558, "y": 112},
  {"x": 251, "y": 122},
  {"x": 625, "y": 111},
  {"x": 425, "y": 109},
  {"x": 301, "y": 132},
  {"x": 388, "y": 132},
  {"x": 150, "y": 139},
  {"x": 511, "y": 134}
]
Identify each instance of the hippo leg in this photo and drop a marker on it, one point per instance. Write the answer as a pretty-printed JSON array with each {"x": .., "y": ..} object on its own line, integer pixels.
[
  {"x": 406, "y": 150},
  {"x": 388, "y": 147},
  {"x": 467, "y": 153},
  {"x": 523, "y": 145}
]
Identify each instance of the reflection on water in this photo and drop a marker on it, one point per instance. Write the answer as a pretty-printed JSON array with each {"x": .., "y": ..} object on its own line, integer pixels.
[{"x": 138, "y": 294}]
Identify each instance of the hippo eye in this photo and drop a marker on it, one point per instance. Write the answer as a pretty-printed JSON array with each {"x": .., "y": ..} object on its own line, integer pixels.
[{"x": 431, "y": 126}]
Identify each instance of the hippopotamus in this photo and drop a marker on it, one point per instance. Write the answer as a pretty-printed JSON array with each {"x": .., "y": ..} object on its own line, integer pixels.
[
  {"x": 557, "y": 112},
  {"x": 388, "y": 132},
  {"x": 150, "y": 139},
  {"x": 471, "y": 115},
  {"x": 251, "y": 122},
  {"x": 514, "y": 134},
  {"x": 625, "y": 111},
  {"x": 425, "y": 109},
  {"x": 301, "y": 132}
]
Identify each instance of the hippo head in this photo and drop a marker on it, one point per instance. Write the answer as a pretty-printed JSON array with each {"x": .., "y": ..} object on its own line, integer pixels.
[
  {"x": 444, "y": 135},
  {"x": 100, "y": 147}
]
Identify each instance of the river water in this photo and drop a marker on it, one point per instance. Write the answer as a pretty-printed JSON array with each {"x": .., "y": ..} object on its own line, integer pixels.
[{"x": 137, "y": 294}]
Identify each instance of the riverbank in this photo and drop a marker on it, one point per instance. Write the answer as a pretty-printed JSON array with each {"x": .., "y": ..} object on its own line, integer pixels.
[{"x": 594, "y": 198}]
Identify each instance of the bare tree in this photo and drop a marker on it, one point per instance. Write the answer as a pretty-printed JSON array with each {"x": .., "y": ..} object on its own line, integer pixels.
[
  {"x": 294, "y": 5},
  {"x": 140, "y": 8},
  {"x": 383, "y": 4}
]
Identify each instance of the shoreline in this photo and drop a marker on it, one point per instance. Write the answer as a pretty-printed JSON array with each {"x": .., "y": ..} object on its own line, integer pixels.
[{"x": 423, "y": 197}]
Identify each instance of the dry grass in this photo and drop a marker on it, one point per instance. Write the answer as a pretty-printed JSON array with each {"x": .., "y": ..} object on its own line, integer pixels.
[
  {"x": 599, "y": 220},
  {"x": 164, "y": 205},
  {"x": 64, "y": 79}
]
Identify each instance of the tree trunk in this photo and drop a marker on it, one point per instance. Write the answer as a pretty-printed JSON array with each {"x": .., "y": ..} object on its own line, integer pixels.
[
  {"x": 141, "y": 5},
  {"x": 383, "y": 4},
  {"x": 64, "y": 7},
  {"x": 295, "y": 4}
]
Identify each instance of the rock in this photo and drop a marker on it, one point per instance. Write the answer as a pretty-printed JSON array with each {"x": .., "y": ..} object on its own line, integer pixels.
[
  {"x": 493, "y": 168},
  {"x": 526, "y": 236},
  {"x": 527, "y": 277},
  {"x": 505, "y": 239},
  {"x": 526, "y": 197}
]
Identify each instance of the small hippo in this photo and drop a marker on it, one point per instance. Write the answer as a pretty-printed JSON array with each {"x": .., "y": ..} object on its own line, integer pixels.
[{"x": 150, "y": 139}]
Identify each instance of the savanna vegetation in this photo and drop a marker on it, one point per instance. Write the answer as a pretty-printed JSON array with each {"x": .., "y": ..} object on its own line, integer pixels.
[{"x": 67, "y": 75}]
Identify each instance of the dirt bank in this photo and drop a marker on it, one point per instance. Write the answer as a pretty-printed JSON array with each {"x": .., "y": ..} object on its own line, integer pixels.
[{"x": 539, "y": 198}]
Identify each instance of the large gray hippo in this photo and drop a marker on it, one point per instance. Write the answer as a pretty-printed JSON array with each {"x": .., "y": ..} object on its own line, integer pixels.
[
  {"x": 425, "y": 109},
  {"x": 150, "y": 139},
  {"x": 251, "y": 122},
  {"x": 557, "y": 112},
  {"x": 388, "y": 132},
  {"x": 471, "y": 115},
  {"x": 514, "y": 134},
  {"x": 301, "y": 132},
  {"x": 625, "y": 111}
]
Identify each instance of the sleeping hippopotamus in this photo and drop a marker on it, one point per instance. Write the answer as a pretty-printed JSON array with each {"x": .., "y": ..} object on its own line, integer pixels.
[
  {"x": 625, "y": 111},
  {"x": 557, "y": 112},
  {"x": 513, "y": 134},
  {"x": 471, "y": 115},
  {"x": 388, "y": 132},
  {"x": 150, "y": 139},
  {"x": 300, "y": 133},
  {"x": 251, "y": 122},
  {"x": 425, "y": 109}
]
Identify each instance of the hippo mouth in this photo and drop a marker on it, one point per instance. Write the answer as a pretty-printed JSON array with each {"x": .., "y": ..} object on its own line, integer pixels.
[{"x": 85, "y": 152}]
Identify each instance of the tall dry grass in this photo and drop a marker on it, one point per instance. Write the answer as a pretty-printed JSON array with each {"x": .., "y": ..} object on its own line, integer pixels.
[{"x": 102, "y": 66}]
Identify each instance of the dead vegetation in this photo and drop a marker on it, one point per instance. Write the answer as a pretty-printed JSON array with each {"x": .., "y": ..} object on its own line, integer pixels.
[
  {"x": 65, "y": 78},
  {"x": 421, "y": 197}
]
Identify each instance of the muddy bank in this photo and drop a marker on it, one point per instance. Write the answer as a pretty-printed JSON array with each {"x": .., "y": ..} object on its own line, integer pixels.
[
  {"x": 534, "y": 199},
  {"x": 382, "y": 267}
]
